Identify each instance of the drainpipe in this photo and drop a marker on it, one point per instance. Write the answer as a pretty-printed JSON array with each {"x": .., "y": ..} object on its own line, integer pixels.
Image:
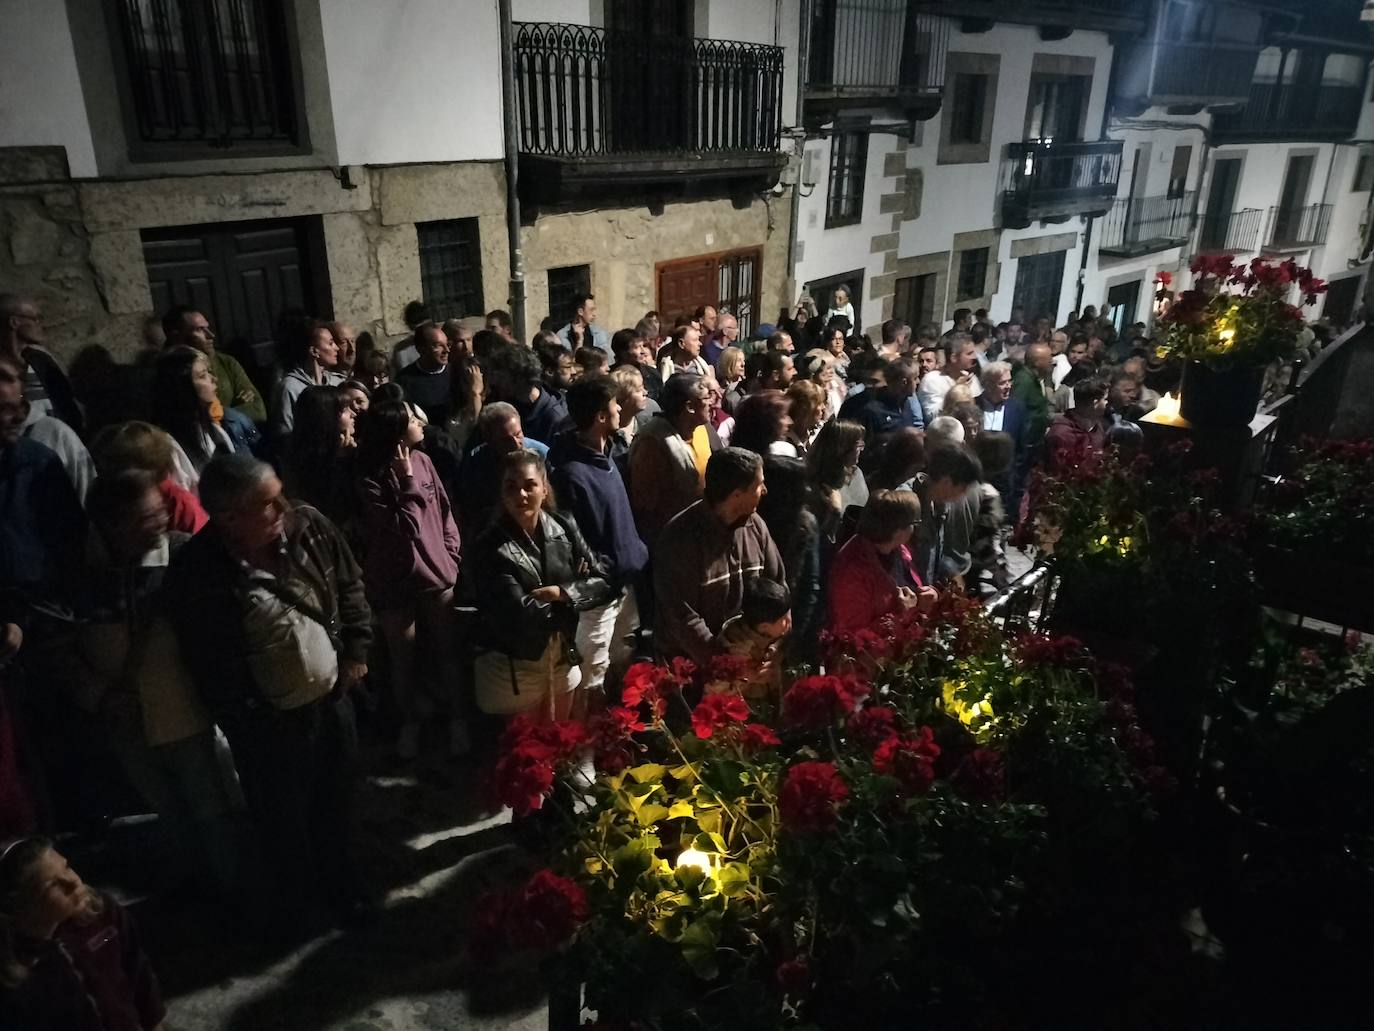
[
  {"x": 803, "y": 58},
  {"x": 511, "y": 132}
]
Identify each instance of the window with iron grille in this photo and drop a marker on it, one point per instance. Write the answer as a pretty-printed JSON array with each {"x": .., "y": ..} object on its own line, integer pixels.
[
  {"x": 208, "y": 74},
  {"x": 738, "y": 282},
  {"x": 848, "y": 158},
  {"x": 567, "y": 286},
  {"x": 451, "y": 267},
  {"x": 973, "y": 273}
]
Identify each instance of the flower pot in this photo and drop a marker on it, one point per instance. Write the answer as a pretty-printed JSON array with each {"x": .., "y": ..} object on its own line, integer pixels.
[{"x": 1219, "y": 399}]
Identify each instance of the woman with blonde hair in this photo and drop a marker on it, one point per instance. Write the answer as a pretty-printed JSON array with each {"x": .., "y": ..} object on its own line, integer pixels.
[
  {"x": 730, "y": 376},
  {"x": 822, "y": 368},
  {"x": 141, "y": 445}
]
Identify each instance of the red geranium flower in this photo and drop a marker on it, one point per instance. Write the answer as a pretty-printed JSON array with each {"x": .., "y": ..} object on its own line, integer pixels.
[
  {"x": 521, "y": 778},
  {"x": 756, "y": 737},
  {"x": 1036, "y": 650},
  {"x": 810, "y": 797},
  {"x": 813, "y": 703},
  {"x": 612, "y": 747},
  {"x": 549, "y": 911},
  {"x": 648, "y": 683},
  {"x": 794, "y": 976},
  {"x": 874, "y": 725},
  {"x": 910, "y": 759},
  {"x": 716, "y": 712}
]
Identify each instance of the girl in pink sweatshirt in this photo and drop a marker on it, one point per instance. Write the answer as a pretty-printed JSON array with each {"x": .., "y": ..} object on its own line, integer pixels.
[{"x": 410, "y": 564}]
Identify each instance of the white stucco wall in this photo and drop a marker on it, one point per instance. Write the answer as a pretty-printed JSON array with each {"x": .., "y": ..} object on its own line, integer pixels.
[
  {"x": 414, "y": 82},
  {"x": 41, "y": 103},
  {"x": 571, "y": 12}
]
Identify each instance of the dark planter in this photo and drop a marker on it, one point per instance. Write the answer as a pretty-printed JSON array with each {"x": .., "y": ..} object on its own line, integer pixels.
[{"x": 1219, "y": 399}]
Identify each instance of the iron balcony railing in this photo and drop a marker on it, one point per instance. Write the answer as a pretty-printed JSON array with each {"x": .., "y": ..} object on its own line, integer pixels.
[
  {"x": 1298, "y": 227},
  {"x": 585, "y": 92},
  {"x": 213, "y": 74},
  {"x": 1044, "y": 177},
  {"x": 1204, "y": 71},
  {"x": 1139, "y": 225},
  {"x": 1230, "y": 230},
  {"x": 1293, "y": 111},
  {"x": 875, "y": 48}
]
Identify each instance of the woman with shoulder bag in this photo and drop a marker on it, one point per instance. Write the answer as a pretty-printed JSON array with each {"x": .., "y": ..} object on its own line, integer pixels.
[{"x": 531, "y": 573}]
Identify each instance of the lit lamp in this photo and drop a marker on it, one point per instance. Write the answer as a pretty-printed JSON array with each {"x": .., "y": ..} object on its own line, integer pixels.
[
  {"x": 694, "y": 857},
  {"x": 1167, "y": 409}
]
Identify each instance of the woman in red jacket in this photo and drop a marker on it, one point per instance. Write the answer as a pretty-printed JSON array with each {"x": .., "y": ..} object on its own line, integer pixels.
[{"x": 873, "y": 574}]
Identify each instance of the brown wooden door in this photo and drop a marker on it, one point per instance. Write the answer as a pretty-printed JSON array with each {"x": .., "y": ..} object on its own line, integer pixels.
[
  {"x": 241, "y": 275},
  {"x": 684, "y": 286}
]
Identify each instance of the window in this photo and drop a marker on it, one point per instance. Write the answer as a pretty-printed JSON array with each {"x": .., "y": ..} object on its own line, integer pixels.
[
  {"x": 1056, "y": 106},
  {"x": 451, "y": 267},
  {"x": 914, "y": 303},
  {"x": 848, "y": 158},
  {"x": 566, "y": 287},
  {"x": 1039, "y": 284},
  {"x": 1364, "y": 174},
  {"x": 1178, "y": 173},
  {"x": 737, "y": 277},
  {"x": 201, "y": 74},
  {"x": 968, "y": 107},
  {"x": 973, "y": 274}
]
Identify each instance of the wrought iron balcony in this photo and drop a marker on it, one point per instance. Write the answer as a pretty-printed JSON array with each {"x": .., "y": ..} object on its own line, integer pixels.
[
  {"x": 1230, "y": 230},
  {"x": 1292, "y": 112},
  {"x": 865, "y": 53},
  {"x": 1297, "y": 228},
  {"x": 1185, "y": 73},
  {"x": 1141, "y": 225},
  {"x": 1047, "y": 179},
  {"x": 600, "y": 109}
]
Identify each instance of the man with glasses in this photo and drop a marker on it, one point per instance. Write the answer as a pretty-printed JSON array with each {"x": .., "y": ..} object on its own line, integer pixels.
[{"x": 46, "y": 387}]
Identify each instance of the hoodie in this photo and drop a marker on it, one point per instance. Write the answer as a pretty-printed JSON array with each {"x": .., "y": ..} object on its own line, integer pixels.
[
  {"x": 412, "y": 540},
  {"x": 588, "y": 484}
]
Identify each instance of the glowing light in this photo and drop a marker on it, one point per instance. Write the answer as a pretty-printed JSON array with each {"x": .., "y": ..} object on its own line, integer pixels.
[
  {"x": 694, "y": 857},
  {"x": 1168, "y": 407}
]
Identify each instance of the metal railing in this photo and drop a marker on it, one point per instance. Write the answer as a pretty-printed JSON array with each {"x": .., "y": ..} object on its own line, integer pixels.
[
  {"x": 1294, "y": 111},
  {"x": 1200, "y": 70},
  {"x": 1298, "y": 227},
  {"x": 875, "y": 48},
  {"x": 582, "y": 91},
  {"x": 1046, "y": 172},
  {"x": 1025, "y": 602},
  {"x": 1138, "y": 225},
  {"x": 1230, "y": 230},
  {"x": 209, "y": 73}
]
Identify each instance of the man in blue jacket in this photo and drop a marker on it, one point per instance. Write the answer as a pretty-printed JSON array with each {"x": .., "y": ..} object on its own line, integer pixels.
[
  {"x": 588, "y": 485},
  {"x": 1004, "y": 413}
]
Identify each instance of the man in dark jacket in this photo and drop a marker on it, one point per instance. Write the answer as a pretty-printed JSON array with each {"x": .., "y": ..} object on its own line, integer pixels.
[
  {"x": 516, "y": 377},
  {"x": 267, "y": 603},
  {"x": 883, "y": 410},
  {"x": 1003, "y": 413},
  {"x": 45, "y": 384},
  {"x": 588, "y": 484},
  {"x": 708, "y": 552}
]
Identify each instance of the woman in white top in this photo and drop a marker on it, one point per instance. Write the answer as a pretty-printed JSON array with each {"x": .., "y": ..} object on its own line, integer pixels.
[
  {"x": 683, "y": 354},
  {"x": 841, "y": 306}
]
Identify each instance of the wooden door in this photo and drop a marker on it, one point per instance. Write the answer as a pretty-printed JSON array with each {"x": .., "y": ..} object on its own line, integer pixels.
[
  {"x": 241, "y": 275},
  {"x": 684, "y": 286}
]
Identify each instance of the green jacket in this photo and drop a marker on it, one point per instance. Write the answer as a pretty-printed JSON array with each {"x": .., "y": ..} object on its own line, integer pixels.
[
  {"x": 232, "y": 381},
  {"x": 1025, "y": 387}
]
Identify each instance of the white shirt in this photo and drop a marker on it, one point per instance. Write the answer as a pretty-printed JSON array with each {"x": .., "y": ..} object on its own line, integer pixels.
[
  {"x": 1061, "y": 368},
  {"x": 64, "y": 442},
  {"x": 992, "y": 418},
  {"x": 934, "y": 386}
]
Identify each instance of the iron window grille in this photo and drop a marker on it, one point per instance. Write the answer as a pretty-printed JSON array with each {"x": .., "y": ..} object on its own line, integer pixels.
[
  {"x": 451, "y": 267},
  {"x": 973, "y": 273},
  {"x": 567, "y": 286},
  {"x": 209, "y": 74},
  {"x": 848, "y": 162},
  {"x": 738, "y": 285}
]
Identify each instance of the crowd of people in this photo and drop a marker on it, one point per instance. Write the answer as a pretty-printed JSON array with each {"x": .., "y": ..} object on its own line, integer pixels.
[{"x": 203, "y": 570}]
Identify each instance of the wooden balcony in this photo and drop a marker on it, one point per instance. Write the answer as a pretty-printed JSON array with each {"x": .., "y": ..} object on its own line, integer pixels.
[
  {"x": 601, "y": 111},
  {"x": 874, "y": 53},
  {"x": 1052, "y": 180},
  {"x": 1276, "y": 111}
]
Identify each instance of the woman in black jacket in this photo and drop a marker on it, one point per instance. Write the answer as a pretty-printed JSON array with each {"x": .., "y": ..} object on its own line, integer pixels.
[{"x": 531, "y": 573}]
